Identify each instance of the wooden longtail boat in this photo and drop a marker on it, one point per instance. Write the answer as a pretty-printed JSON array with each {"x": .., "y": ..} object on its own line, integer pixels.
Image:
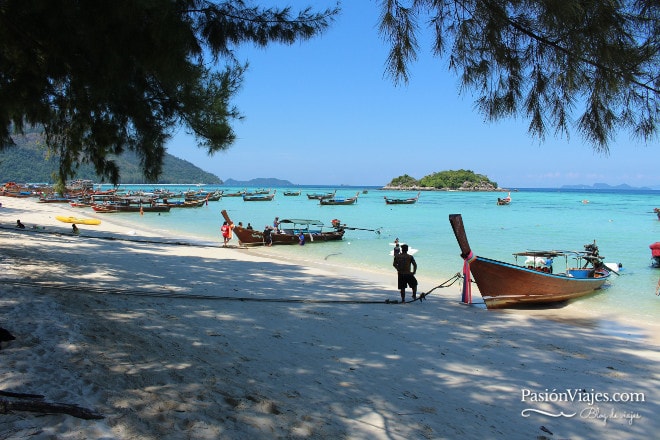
[
  {"x": 504, "y": 201},
  {"x": 340, "y": 201},
  {"x": 234, "y": 194},
  {"x": 288, "y": 234},
  {"x": 257, "y": 197},
  {"x": 321, "y": 196},
  {"x": 508, "y": 285},
  {"x": 408, "y": 201},
  {"x": 292, "y": 193}
]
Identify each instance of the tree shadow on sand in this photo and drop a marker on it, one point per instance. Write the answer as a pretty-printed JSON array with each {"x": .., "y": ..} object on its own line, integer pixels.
[{"x": 211, "y": 365}]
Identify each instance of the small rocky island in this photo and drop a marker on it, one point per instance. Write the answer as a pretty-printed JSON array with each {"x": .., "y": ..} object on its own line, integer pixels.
[{"x": 458, "y": 180}]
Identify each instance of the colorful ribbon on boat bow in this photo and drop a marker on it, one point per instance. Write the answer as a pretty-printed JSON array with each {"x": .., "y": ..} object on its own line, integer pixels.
[{"x": 466, "y": 297}]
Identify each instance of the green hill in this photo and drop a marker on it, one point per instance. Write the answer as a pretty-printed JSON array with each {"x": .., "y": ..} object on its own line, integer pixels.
[{"x": 29, "y": 162}]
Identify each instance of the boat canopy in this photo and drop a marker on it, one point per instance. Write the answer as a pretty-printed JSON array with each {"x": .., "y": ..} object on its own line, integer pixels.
[{"x": 298, "y": 221}]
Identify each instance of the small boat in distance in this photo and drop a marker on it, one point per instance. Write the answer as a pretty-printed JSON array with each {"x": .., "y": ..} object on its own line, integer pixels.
[
  {"x": 340, "y": 201},
  {"x": 408, "y": 201},
  {"x": 258, "y": 197},
  {"x": 321, "y": 196},
  {"x": 504, "y": 201},
  {"x": 235, "y": 194},
  {"x": 509, "y": 285},
  {"x": 292, "y": 193},
  {"x": 289, "y": 232}
]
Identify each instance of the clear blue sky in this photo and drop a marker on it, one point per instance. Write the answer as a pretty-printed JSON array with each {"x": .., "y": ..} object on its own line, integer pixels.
[{"x": 323, "y": 112}]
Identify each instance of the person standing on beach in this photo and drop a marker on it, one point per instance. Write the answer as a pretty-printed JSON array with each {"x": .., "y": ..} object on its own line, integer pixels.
[
  {"x": 225, "y": 229},
  {"x": 397, "y": 248},
  {"x": 268, "y": 238},
  {"x": 403, "y": 263}
]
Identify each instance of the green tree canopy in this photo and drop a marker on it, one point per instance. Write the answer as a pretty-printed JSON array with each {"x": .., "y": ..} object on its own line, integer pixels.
[
  {"x": 404, "y": 181},
  {"x": 454, "y": 179},
  {"x": 106, "y": 76},
  {"x": 543, "y": 59}
]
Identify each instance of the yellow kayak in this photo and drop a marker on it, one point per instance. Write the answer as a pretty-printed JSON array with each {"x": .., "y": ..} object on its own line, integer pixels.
[{"x": 80, "y": 221}]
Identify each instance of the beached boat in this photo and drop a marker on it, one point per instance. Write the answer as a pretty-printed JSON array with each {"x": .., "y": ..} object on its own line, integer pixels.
[
  {"x": 509, "y": 285},
  {"x": 288, "y": 233},
  {"x": 504, "y": 201},
  {"x": 258, "y": 197},
  {"x": 54, "y": 199},
  {"x": 408, "y": 201},
  {"x": 130, "y": 204},
  {"x": 321, "y": 196},
  {"x": 340, "y": 201},
  {"x": 77, "y": 220},
  {"x": 292, "y": 193},
  {"x": 655, "y": 254}
]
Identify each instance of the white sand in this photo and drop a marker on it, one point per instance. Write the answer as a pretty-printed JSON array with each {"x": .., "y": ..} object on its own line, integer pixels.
[{"x": 152, "y": 336}]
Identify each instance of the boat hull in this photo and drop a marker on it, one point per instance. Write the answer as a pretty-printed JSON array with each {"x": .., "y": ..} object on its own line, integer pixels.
[
  {"x": 254, "y": 237},
  {"x": 507, "y": 285}
]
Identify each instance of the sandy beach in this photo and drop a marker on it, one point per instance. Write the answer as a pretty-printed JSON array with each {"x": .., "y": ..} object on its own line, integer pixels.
[{"x": 169, "y": 338}]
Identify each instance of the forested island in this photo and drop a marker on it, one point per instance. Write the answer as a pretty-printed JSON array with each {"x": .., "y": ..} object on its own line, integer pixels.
[{"x": 459, "y": 180}]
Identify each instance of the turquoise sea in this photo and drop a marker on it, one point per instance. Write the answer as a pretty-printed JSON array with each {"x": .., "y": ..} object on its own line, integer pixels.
[{"x": 621, "y": 221}]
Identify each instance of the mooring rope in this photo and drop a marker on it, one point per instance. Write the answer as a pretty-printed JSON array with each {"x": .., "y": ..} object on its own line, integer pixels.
[{"x": 173, "y": 295}]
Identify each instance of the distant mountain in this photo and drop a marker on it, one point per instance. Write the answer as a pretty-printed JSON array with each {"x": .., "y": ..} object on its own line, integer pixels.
[
  {"x": 623, "y": 186},
  {"x": 260, "y": 182},
  {"x": 29, "y": 162}
]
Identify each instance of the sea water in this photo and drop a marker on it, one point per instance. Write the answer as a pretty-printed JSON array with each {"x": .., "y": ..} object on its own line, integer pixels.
[{"x": 622, "y": 223}]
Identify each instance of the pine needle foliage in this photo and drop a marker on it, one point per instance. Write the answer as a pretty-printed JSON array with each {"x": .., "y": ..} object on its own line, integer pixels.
[
  {"x": 107, "y": 76},
  {"x": 591, "y": 66}
]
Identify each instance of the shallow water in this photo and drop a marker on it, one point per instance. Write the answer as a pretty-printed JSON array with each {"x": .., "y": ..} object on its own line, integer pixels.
[{"x": 621, "y": 222}]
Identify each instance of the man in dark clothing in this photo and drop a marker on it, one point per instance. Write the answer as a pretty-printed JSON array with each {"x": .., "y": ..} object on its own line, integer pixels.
[{"x": 403, "y": 264}]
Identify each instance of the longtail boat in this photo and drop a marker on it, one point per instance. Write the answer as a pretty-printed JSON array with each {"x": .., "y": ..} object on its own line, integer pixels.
[
  {"x": 509, "y": 285},
  {"x": 258, "y": 197},
  {"x": 504, "y": 200},
  {"x": 340, "y": 201},
  {"x": 408, "y": 201},
  {"x": 321, "y": 196},
  {"x": 234, "y": 194},
  {"x": 292, "y": 193},
  {"x": 289, "y": 232}
]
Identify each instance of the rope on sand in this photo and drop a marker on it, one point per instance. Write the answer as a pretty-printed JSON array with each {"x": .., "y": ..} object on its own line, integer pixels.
[{"x": 173, "y": 295}]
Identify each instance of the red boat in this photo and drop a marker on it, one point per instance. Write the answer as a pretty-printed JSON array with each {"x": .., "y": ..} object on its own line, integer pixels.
[{"x": 509, "y": 285}]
